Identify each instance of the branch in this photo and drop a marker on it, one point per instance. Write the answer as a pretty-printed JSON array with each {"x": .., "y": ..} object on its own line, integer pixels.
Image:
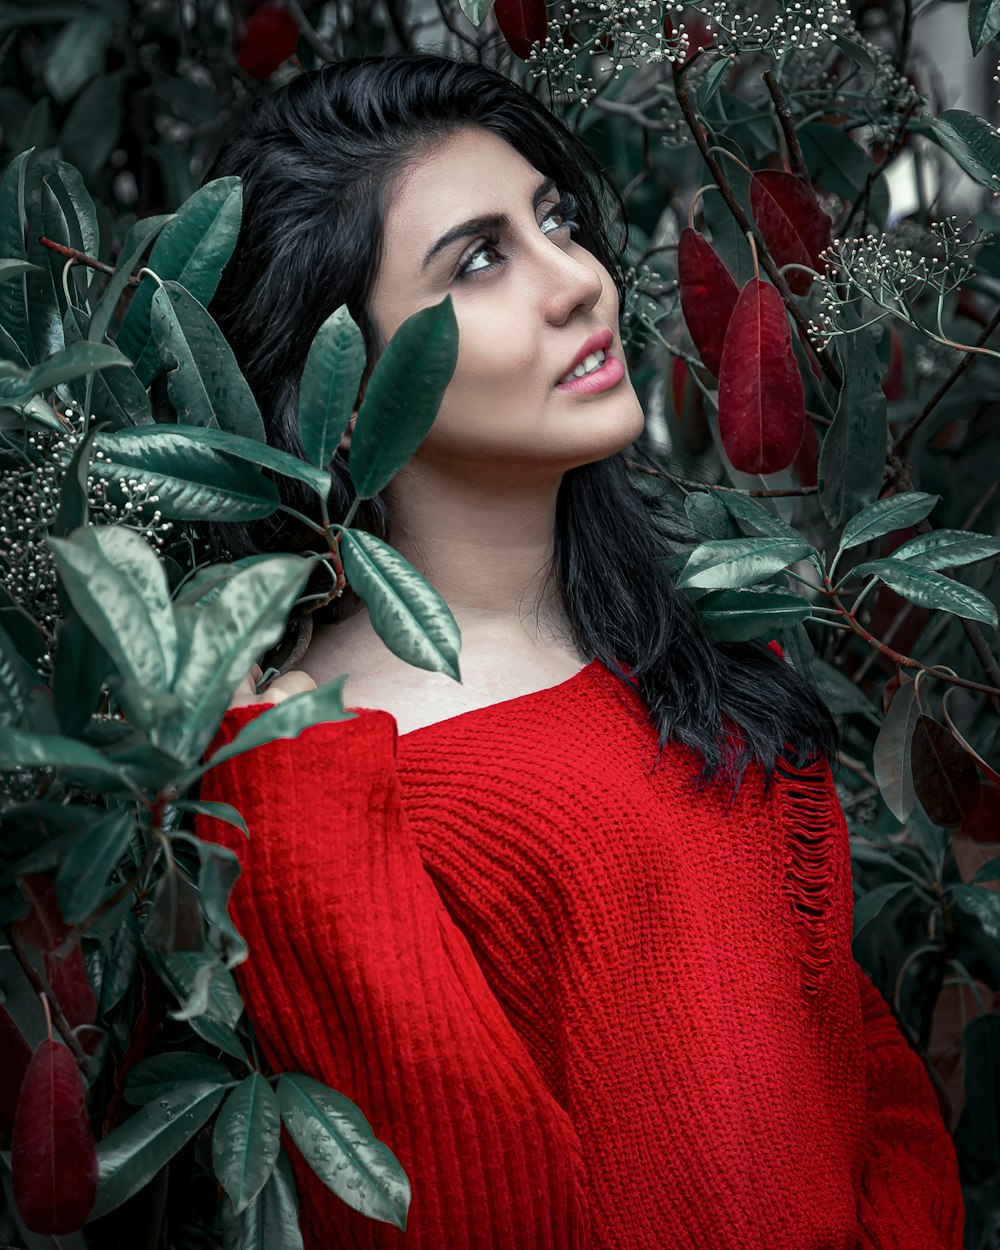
[
  {"x": 318, "y": 45},
  {"x": 798, "y": 161},
  {"x": 41, "y": 987},
  {"x": 968, "y": 356},
  {"x": 772, "y": 271},
  {"x": 735, "y": 490},
  {"x": 81, "y": 258}
]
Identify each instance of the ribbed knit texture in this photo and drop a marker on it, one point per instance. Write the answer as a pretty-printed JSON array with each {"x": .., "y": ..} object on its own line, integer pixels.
[{"x": 586, "y": 1006}]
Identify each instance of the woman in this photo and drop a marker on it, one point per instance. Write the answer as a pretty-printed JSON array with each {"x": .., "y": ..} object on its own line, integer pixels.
[{"x": 575, "y": 935}]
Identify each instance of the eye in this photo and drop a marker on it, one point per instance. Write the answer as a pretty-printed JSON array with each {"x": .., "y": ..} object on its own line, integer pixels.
[{"x": 565, "y": 211}]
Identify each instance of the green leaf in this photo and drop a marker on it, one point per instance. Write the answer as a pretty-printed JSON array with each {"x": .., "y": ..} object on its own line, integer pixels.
[
  {"x": 729, "y": 563},
  {"x": 930, "y": 590},
  {"x": 162, "y": 1075},
  {"x": 15, "y": 682},
  {"x": 977, "y": 1135},
  {"x": 248, "y": 615},
  {"x": 476, "y": 10},
  {"x": 839, "y": 693},
  {"x": 891, "y": 753},
  {"x": 755, "y": 514},
  {"x": 970, "y": 139},
  {"x": 13, "y": 307},
  {"x": 201, "y": 975},
  {"x": 94, "y": 125},
  {"x": 192, "y": 482},
  {"x": 81, "y": 667},
  {"x": 11, "y": 269},
  {"x": 81, "y": 762},
  {"x": 885, "y": 515},
  {"x": 120, "y": 590},
  {"x": 852, "y": 457},
  {"x": 245, "y": 1140},
  {"x": 712, "y": 81},
  {"x": 76, "y": 55},
  {"x": 271, "y": 1221},
  {"x": 74, "y": 506},
  {"x": 131, "y": 1155},
  {"x": 288, "y": 719},
  {"x": 403, "y": 396},
  {"x": 984, "y": 23},
  {"x": 193, "y": 249},
  {"x": 18, "y": 385},
  {"x": 870, "y": 905},
  {"x": 247, "y": 449},
  {"x": 330, "y": 384},
  {"x": 219, "y": 872},
  {"x": 87, "y": 865},
  {"x": 990, "y": 871},
  {"x": 204, "y": 381},
  {"x": 707, "y": 517},
  {"x": 857, "y": 52},
  {"x": 337, "y": 1143},
  {"x": 220, "y": 811},
  {"x": 138, "y": 237},
  {"x": 738, "y": 615},
  {"x": 947, "y": 549},
  {"x": 981, "y": 904},
  {"x": 405, "y": 611}
]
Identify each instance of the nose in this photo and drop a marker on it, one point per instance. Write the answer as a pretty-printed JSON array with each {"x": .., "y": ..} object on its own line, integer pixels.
[{"x": 572, "y": 280}]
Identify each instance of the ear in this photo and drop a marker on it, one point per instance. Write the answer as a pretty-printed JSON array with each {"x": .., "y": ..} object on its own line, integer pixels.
[{"x": 345, "y": 442}]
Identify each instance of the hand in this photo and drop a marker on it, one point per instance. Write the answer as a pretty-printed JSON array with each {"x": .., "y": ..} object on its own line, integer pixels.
[{"x": 281, "y": 688}]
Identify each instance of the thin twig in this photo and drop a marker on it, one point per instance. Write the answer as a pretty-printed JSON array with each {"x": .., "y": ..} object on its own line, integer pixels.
[
  {"x": 968, "y": 357},
  {"x": 733, "y": 490},
  {"x": 798, "y": 161},
  {"x": 309, "y": 33},
  {"x": 772, "y": 271},
  {"x": 81, "y": 258},
  {"x": 855, "y": 766}
]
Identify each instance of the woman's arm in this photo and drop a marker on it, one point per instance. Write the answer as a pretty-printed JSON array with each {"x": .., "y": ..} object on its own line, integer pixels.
[
  {"x": 358, "y": 977},
  {"x": 910, "y": 1196}
]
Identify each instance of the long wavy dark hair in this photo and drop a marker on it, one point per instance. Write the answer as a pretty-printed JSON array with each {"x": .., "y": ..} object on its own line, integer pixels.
[{"x": 317, "y": 159}]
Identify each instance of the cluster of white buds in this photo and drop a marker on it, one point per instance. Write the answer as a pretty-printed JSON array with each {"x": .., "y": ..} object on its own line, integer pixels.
[
  {"x": 779, "y": 28},
  {"x": 891, "y": 271}
]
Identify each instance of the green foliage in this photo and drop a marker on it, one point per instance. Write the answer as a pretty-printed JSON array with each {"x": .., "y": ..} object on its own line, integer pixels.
[{"x": 125, "y": 424}]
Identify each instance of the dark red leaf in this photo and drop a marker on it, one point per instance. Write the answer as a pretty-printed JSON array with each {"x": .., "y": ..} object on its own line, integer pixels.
[
  {"x": 794, "y": 226},
  {"x": 174, "y": 922},
  {"x": 15, "y": 1055},
  {"x": 71, "y": 986},
  {"x": 762, "y": 413},
  {"x": 983, "y": 822},
  {"x": 894, "y": 382},
  {"x": 271, "y": 36},
  {"x": 890, "y": 690},
  {"x": 522, "y": 23},
  {"x": 42, "y": 931},
  {"x": 945, "y": 776},
  {"x": 708, "y": 295},
  {"x": 43, "y": 928},
  {"x": 53, "y": 1153}
]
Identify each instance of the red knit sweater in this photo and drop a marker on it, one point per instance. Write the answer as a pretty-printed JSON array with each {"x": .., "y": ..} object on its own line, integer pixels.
[{"x": 585, "y": 1006}]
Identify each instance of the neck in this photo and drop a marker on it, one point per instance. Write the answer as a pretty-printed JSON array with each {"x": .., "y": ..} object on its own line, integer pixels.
[{"x": 487, "y": 550}]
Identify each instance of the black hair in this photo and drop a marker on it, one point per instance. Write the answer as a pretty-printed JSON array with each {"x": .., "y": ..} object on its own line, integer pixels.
[{"x": 316, "y": 159}]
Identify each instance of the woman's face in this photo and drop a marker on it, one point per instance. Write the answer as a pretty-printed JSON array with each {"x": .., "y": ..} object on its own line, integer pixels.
[{"x": 526, "y": 309}]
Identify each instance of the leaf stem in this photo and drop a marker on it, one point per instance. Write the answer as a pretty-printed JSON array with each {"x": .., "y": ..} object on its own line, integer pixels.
[{"x": 81, "y": 258}]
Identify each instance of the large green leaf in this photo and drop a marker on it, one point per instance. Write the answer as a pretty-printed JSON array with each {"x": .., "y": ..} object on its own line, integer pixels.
[
  {"x": 202, "y": 985},
  {"x": 164, "y": 1074},
  {"x": 27, "y": 750},
  {"x": 119, "y": 588},
  {"x": 18, "y": 385},
  {"x": 891, "y": 754},
  {"x": 219, "y": 872},
  {"x": 204, "y": 381},
  {"x": 15, "y": 682},
  {"x": 947, "y": 549},
  {"x": 753, "y": 513},
  {"x": 871, "y": 904},
  {"x": 288, "y": 719},
  {"x": 245, "y": 1140},
  {"x": 329, "y": 386},
  {"x": 87, "y": 865},
  {"x": 977, "y": 1135},
  {"x": 476, "y": 10},
  {"x": 729, "y": 563},
  {"x": 404, "y": 609},
  {"x": 248, "y": 615},
  {"x": 403, "y": 396},
  {"x": 13, "y": 309},
  {"x": 94, "y": 125},
  {"x": 738, "y": 615},
  {"x": 271, "y": 1221},
  {"x": 970, "y": 139},
  {"x": 76, "y": 55},
  {"x": 193, "y": 249},
  {"x": 338, "y": 1144},
  {"x": 930, "y": 590},
  {"x": 984, "y": 23},
  {"x": 885, "y": 515},
  {"x": 138, "y": 237},
  {"x": 982, "y": 904},
  {"x": 131, "y": 1155},
  {"x": 192, "y": 481},
  {"x": 852, "y": 458}
]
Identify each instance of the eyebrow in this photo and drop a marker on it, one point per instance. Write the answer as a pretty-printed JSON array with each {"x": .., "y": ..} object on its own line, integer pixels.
[{"x": 478, "y": 225}]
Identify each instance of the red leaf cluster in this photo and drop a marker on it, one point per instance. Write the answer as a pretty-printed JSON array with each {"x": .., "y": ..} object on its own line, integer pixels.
[
  {"x": 271, "y": 36},
  {"x": 53, "y": 1152},
  {"x": 522, "y": 23},
  {"x": 761, "y": 398},
  {"x": 708, "y": 295},
  {"x": 42, "y": 931},
  {"x": 793, "y": 225}
]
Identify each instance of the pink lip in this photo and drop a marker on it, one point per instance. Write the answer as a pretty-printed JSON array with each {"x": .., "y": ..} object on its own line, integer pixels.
[
  {"x": 600, "y": 340},
  {"x": 603, "y": 379}
]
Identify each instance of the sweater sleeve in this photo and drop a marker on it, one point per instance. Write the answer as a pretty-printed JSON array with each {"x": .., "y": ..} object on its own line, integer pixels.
[
  {"x": 357, "y": 976},
  {"x": 910, "y": 1196}
]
